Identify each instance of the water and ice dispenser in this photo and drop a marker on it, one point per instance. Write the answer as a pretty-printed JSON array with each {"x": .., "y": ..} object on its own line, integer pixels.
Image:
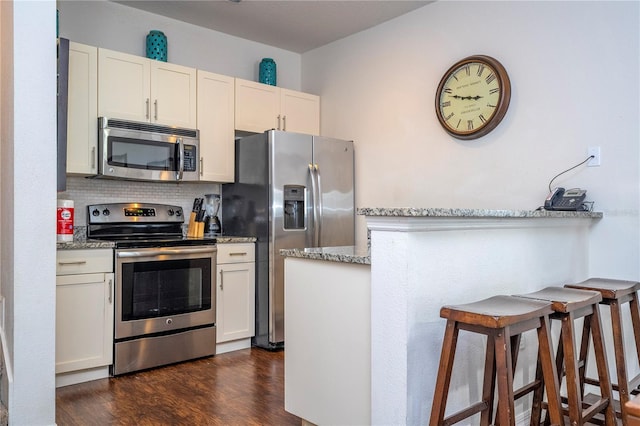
[{"x": 294, "y": 207}]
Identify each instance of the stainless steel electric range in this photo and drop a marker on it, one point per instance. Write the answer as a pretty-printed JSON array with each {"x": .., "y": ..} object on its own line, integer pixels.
[{"x": 165, "y": 304}]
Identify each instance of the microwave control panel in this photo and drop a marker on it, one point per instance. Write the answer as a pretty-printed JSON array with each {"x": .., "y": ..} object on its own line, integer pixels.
[{"x": 190, "y": 158}]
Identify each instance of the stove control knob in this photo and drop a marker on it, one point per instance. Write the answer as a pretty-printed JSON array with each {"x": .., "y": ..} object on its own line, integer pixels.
[
  {"x": 95, "y": 212},
  {"x": 169, "y": 321},
  {"x": 178, "y": 212},
  {"x": 171, "y": 212},
  {"x": 106, "y": 212}
]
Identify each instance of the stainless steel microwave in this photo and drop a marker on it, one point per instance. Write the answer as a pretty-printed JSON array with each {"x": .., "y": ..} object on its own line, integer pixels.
[{"x": 145, "y": 151}]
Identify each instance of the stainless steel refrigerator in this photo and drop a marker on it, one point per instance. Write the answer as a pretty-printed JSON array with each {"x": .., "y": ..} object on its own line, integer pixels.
[{"x": 291, "y": 191}]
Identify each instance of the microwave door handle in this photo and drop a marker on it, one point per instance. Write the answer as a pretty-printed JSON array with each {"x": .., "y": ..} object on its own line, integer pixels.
[{"x": 180, "y": 159}]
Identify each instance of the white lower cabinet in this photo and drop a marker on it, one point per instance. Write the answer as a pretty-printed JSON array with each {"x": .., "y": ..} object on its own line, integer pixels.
[
  {"x": 235, "y": 296},
  {"x": 84, "y": 315}
]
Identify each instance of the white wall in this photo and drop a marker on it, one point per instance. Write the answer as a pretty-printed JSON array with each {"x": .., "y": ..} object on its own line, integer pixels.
[
  {"x": 574, "y": 73},
  {"x": 114, "y": 26},
  {"x": 28, "y": 173}
]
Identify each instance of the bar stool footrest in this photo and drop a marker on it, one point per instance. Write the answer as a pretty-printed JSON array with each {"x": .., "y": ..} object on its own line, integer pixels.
[
  {"x": 591, "y": 398},
  {"x": 476, "y": 408}
]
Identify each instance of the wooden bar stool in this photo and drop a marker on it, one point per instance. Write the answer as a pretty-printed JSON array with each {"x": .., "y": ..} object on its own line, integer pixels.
[
  {"x": 615, "y": 293},
  {"x": 502, "y": 319},
  {"x": 569, "y": 305}
]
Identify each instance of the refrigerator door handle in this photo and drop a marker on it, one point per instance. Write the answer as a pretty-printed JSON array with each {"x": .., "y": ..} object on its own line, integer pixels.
[
  {"x": 318, "y": 204},
  {"x": 314, "y": 203}
]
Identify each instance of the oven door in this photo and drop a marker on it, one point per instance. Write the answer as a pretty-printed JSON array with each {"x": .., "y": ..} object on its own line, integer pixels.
[{"x": 163, "y": 290}]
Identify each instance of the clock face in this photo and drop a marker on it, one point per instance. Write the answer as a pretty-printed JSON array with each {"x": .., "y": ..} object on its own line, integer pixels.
[{"x": 473, "y": 97}]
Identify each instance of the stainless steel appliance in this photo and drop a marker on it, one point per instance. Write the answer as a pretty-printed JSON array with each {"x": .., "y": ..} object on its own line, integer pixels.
[
  {"x": 144, "y": 151},
  {"x": 165, "y": 303},
  {"x": 291, "y": 191}
]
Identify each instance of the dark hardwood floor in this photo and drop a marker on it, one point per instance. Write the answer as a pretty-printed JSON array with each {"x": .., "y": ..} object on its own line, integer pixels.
[{"x": 245, "y": 387}]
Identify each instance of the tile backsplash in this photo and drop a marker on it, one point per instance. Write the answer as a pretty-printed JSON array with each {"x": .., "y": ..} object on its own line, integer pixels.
[{"x": 85, "y": 191}]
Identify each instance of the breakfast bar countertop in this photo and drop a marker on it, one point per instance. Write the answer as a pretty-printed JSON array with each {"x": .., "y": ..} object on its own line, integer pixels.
[
  {"x": 472, "y": 213},
  {"x": 342, "y": 254}
]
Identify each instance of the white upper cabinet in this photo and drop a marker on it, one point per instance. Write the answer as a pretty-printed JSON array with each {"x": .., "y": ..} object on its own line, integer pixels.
[
  {"x": 215, "y": 121},
  {"x": 257, "y": 106},
  {"x": 299, "y": 112},
  {"x": 173, "y": 90},
  {"x": 135, "y": 88},
  {"x": 261, "y": 107},
  {"x": 82, "y": 122}
]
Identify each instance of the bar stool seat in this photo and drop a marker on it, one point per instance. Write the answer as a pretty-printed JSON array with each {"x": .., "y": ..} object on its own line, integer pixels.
[
  {"x": 502, "y": 319},
  {"x": 569, "y": 305},
  {"x": 614, "y": 294}
]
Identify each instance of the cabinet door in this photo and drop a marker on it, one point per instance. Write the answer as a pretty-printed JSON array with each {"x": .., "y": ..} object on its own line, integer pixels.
[
  {"x": 215, "y": 114},
  {"x": 235, "y": 301},
  {"x": 84, "y": 321},
  {"x": 173, "y": 94},
  {"x": 82, "y": 124},
  {"x": 257, "y": 106},
  {"x": 123, "y": 86},
  {"x": 300, "y": 112}
]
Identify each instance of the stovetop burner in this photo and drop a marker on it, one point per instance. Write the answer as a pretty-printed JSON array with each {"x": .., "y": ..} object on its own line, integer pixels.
[{"x": 140, "y": 225}]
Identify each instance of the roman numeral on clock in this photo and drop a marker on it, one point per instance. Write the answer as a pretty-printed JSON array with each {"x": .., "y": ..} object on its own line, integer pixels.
[
  {"x": 469, "y": 124},
  {"x": 490, "y": 78}
]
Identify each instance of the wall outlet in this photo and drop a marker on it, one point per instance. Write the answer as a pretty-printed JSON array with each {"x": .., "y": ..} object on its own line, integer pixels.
[{"x": 595, "y": 161}]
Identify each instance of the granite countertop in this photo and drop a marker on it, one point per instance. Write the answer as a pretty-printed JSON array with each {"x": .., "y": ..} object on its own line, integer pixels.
[
  {"x": 342, "y": 254},
  {"x": 472, "y": 213}
]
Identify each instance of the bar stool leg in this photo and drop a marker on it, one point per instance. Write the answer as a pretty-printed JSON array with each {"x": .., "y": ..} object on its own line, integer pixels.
[
  {"x": 488, "y": 387},
  {"x": 635, "y": 321},
  {"x": 601, "y": 363},
  {"x": 441, "y": 392},
  {"x": 618, "y": 346},
  {"x": 538, "y": 396},
  {"x": 504, "y": 373},
  {"x": 549, "y": 372},
  {"x": 584, "y": 352},
  {"x": 571, "y": 361}
]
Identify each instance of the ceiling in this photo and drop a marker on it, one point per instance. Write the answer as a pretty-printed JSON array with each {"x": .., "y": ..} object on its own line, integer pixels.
[{"x": 294, "y": 25}]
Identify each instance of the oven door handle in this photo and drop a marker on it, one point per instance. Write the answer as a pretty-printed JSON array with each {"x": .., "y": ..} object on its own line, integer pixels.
[{"x": 163, "y": 252}]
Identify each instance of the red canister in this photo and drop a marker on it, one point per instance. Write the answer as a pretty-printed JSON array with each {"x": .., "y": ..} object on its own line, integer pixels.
[{"x": 64, "y": 229}]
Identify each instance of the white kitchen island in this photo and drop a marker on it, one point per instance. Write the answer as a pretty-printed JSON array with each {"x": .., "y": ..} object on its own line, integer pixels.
[
  {"x": 328, "y": 335},
  {"x": 422, "y": 259}
]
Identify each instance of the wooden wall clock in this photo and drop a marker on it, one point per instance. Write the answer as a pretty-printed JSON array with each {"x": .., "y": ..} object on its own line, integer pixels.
[{"x": 472, "y": 97}]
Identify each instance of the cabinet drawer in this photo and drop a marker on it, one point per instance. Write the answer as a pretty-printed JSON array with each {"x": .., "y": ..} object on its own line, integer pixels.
[
  {"x": 236, "y": 253},
  {"x": 84, "y": 261}
]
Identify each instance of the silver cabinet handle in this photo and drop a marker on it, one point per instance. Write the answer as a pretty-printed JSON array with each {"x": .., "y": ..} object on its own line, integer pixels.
[
  {"x": 201, "y": 166},
  {"x": 147, "y": 113},
  {"x": 279, "y": 122},
  {"x": 93, "y": 158},
  {"x": 155, "y": 106},
  {"x": 284, "y": 122},
  {"x": 244, "y": 253},
  {"x": 221, "y": 281},
  {"x": 72, "y": 262},
  {"x": 110, "y": 291}
]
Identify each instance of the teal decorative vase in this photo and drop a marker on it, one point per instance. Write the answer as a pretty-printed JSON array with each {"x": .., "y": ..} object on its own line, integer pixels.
[
  {"x": 268, "y": 71},
  {"x": 157, "y": 45}
]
